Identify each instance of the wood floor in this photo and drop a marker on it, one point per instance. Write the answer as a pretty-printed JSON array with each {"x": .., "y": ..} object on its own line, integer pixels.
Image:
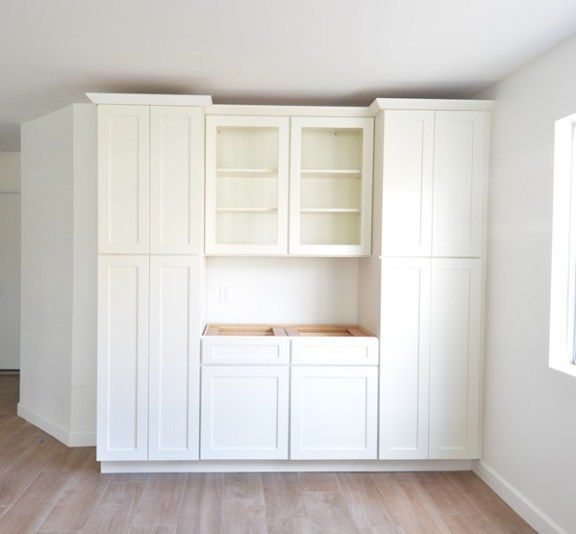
[{"x": 47, "y": 487}]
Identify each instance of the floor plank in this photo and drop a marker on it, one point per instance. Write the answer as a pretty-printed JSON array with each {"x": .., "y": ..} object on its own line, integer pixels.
[{"x": 161, "y": 502}]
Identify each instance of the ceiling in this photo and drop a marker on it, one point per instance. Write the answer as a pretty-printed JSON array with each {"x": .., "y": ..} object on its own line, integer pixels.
[{"x": 264, "y": 51}]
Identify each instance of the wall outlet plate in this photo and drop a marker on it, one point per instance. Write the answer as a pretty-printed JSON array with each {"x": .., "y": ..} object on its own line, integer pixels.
[{"x": 225, "y": 296}]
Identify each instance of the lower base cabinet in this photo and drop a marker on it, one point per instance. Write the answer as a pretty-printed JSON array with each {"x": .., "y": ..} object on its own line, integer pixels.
[
  {"x": 334, "y": 413},
  {"x": 244, "y": 412}
]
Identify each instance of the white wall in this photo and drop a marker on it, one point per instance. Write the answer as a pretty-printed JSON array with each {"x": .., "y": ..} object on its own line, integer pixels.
[
  {"x": 529, "y": 442},
  {"x": 58, "y": 274},
  {"x": 9, "y": 260},
  {"x": 283, "y": 290}
]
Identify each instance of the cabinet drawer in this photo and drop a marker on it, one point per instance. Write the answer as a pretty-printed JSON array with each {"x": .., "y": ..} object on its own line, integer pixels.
[
  {"x": 245, "y": 350},
  {"x": 335, "y": 351}
]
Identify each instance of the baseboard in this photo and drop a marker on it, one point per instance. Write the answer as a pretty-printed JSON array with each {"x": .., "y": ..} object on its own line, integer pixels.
[
  {"x": 82, "y": 439},
  {"x": 55, "y": 430},
  {"x": 279, "y": 466},
  {"x": 70, "y": 439},
  {"x": 526, "y": 509}
]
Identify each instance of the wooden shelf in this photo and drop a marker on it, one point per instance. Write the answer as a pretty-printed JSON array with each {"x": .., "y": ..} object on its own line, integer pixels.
[
  {"x": 246, "y": 210},
  {"x": 245, "y": 171},
  {"x": 329, "y": 210},
  {"x": 331, "y": 173}
]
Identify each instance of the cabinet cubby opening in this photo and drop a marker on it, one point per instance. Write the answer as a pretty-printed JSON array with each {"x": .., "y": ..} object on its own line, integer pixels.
[
  {"x": 247, "y": 150},
  {"x": 332, "y": 151},
  {"x": 330, "y": 228},
  {"x": 247, "y": 227}
]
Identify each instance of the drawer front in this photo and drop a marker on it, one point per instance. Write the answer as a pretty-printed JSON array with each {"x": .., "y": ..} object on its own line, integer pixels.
[
  {"x": 245, "y": 350},
  {"x": 335, "y": 351}
]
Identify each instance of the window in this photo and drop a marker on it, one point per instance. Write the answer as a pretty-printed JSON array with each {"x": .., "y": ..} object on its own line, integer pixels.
[{"x": 563, "y": 285}]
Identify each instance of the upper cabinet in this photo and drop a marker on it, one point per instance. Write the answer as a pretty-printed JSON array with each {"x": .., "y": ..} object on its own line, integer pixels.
[
  {"x": 331, "y": 186},
  {"x": 434, "y": 175},
  {"x": 459, "y": 176},
  {"x": 407, "y": 183},
  {"x": 247, "y": 162},
  {"x": 246, "y": 185},
  {"x": 150, "y": 179},
  {"x": 176, "y": 180},
  {"x": 123, "y": 179}
]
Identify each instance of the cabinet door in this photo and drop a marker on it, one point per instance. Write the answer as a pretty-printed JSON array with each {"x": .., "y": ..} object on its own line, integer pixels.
[
  {"x": 123, "y": 179},
  {"x": 175, "y": 329},
  {"x": 333, "y": 413},
  {"x": 246, "y": 185},
  {"x": 407, "y": 183},
  {"x": 455, "y": 359},
  {"x": 405, "y": 358},
  {"x": 459, "y": 181},
  {"x": 176, "y": 180},
  {"x": 331, "y": 186},
  {"x": 122, "y": 358},
  {"x": 244, "y": 412}
]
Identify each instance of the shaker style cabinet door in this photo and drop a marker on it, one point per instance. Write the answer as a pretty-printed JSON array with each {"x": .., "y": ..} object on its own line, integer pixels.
[
  {"x": 331, "y": 186},
  {"x": 246, "y": 185},
  {"x": 122, "y": 358},
  {"x": 333, "y": 413},
  {"x": 176, "y": 180},
  {"x": 455, "y": 343},
  {"x": 459, "y": 182},
  {"x": 405, "y": 358},
  {"x": 407, "y": 183},
  {"x": 244, "y": 412},
  {"x": 123, "y": 179},
  {"x": 175, "y": 329}
]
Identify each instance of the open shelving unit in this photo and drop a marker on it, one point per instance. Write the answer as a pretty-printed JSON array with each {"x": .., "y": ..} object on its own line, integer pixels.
[
  {"x": 246, "y": 185},
  {"x": 331, "y": 175}
]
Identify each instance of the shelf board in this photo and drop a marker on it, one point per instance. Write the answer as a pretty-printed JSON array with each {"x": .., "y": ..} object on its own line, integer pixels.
[
  {"x": 329, "y": 210},
  {"x": 246, "y": 210},
  {"x": 331, "y": 173},
  {"x": 245, "y": 171}
]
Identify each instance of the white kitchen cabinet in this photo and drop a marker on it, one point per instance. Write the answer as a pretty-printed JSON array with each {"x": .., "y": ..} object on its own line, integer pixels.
[
  {"x": 407, "y": 183},
  {"x": 334, "y": 349},
  {"x": 334, "y": 412},
  {"x": 123, "y": 358},
  {"x": 176, "y": 180},
  {"x": 331, "y": 186},
  {"x": 459, "y": 180},
  {"x": 174, "y": 378},
  {"x": 236, "y": 350},
  {"x": 247, "y": 185},
  {"x": 123, "y": 179},
  {"x": 244, "y": 412},
  {"x": 405, "y": 358},
  {"x": 455, "y": 349}
]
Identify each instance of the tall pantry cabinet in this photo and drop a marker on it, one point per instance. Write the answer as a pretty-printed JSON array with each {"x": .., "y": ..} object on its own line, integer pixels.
[
  {"x": 433, "y": 171},
  {"x": 151, "y": 197}
]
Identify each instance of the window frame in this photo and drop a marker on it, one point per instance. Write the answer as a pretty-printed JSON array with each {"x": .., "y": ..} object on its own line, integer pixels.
[{"x": 562, "y": 355}]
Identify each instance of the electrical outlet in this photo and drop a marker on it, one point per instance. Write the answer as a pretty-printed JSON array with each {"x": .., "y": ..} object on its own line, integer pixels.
[{"x": 225, "y": 296}]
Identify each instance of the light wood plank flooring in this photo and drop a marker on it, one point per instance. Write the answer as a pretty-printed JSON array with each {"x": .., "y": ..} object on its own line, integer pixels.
[{"x": 47, "y": 487}]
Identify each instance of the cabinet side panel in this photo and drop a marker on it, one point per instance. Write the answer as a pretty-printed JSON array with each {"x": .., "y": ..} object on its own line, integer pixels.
[
  {"x": 176, "y": 180},
  {"x": 123, "y": 358},
  {"x": 405, "y": 358},
  {"x": 123, "y": 179},
  {"x": 455, "y": 359},
  {"x": 175, "y": 296},
  {"x": 407, "y": 183},
  {"x": 459, "y": 176}
]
